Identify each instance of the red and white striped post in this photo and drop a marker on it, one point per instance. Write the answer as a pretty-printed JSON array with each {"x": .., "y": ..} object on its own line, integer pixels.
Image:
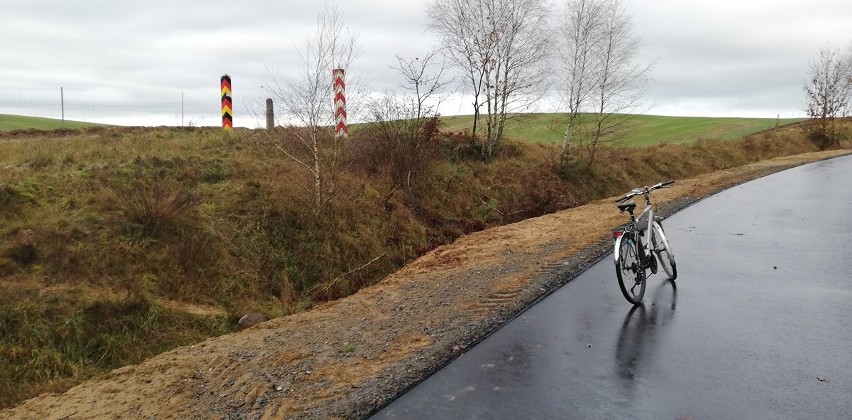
[{"x": 340, "y": 129}]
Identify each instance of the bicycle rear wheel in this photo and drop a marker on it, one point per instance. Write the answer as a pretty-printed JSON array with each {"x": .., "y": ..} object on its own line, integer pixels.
[
  {"x": 631, "y": 278},
  {"x": 663, "y": 252}
]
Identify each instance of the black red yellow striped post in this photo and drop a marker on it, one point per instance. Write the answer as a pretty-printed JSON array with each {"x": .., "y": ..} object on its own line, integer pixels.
[{"x": 227, "y": 106}]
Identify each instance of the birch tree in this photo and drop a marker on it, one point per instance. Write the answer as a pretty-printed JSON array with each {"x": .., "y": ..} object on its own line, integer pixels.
[
  {"x": 305, "y": 106},
  {"x": 604, "y": 82},
  {"x": 501, "y": 47},
  {"x": 827, "y": 93},
  {"x": 621, "y": 81},
  {"x": 462, "y": 37},
  {"x": 580, "y": 32}
]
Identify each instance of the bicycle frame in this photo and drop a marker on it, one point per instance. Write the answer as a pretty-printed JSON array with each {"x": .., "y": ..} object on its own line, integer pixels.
[
  {"x": 644, "y": 241},
  {"x": 645, "y": 238}
]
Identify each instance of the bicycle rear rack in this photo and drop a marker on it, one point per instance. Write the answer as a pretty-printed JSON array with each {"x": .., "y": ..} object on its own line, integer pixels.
[{"x": 621, "y": 229}]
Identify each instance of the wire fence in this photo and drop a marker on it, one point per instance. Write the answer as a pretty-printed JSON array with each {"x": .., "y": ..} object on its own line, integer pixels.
[{"x": 114, "y": 107}]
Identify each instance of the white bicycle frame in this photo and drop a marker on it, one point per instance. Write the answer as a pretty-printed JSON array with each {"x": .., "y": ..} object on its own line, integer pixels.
[{"x": 646, "y": 240}]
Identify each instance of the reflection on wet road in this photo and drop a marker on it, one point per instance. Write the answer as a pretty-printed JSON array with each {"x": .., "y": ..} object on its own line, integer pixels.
[
  {"x": 640, "y": 329},
  {"x": 756, "y": 325}
]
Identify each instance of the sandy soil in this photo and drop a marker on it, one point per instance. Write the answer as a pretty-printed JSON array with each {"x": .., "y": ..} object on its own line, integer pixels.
[{"x": 348, "y": 358}]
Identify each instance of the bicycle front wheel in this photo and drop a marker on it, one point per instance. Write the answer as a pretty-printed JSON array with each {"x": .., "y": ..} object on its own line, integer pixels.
[
  {"x": 663, "y": 252},
  {"x": 631, "y": 277}
]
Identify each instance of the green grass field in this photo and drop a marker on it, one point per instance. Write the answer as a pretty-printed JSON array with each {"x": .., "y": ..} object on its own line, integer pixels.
[
  {"x": 641, "y": 130},
  {"x": 15, "y": 122}
]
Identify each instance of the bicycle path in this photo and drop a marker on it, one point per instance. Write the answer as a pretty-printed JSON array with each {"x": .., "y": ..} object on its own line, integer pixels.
[{"x": 755, "y": 326}]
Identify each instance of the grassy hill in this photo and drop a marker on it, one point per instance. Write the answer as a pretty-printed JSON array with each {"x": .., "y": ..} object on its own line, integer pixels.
[
  {"x": 17, "y": 122},
  {"x": 119, "y": 243},
  {"x": 641, "y": 130}
]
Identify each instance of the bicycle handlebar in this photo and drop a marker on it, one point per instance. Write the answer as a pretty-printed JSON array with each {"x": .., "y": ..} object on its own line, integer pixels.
[{"x": 644, "y": 190}]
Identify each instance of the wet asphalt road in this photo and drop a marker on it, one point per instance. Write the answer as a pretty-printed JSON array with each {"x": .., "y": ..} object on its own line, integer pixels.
[{"x": 757, "y": 325}]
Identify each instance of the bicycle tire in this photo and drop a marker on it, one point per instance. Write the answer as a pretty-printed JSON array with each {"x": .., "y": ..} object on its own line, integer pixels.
[
  {"x": 631, "y": 278},
  {"x": 663, "y": 252}
]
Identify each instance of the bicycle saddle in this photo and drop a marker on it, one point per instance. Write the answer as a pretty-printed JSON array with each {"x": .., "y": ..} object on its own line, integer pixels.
[{"x": 627, "y": 206}]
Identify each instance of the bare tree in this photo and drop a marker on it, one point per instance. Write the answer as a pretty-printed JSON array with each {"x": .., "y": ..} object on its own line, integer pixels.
[
  {"x": 501, "y": 45},
  {"x": 580, "y": 31},
  {"x": 305, "y": 104},
  {"x": 848, "y": 64},
  {"x": 459, "y": 26},
  {"x": 424, "y": 78},
  {"x": 604, "y": 78},
  {"x": 621, "y": 82},
  {"x": 827, "y": 93},
  {"x": 405, "y": 125},
  {"x": 401, "y": 138}
]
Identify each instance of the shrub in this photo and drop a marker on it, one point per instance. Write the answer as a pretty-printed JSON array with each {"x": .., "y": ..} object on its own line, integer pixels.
[{"x": 157, "y": 205}]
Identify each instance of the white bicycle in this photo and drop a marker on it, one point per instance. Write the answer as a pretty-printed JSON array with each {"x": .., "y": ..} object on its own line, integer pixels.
[{"x": 641, "y": 245}]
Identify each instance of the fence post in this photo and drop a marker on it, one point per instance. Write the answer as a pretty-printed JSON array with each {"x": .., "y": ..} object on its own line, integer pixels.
[
  {"x": 227, "y": 106},
  {"x": 62, "y": 104},
  {"x": 270, "y": 115}
]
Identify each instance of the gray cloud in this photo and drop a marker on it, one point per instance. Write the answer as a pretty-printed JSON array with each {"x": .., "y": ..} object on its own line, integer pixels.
[
  {"x": 724, "y": 57},
  {"x": 736, "y": 57}
]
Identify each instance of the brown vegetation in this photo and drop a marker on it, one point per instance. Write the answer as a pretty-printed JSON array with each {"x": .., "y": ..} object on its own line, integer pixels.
[{"x": 112, "y": 239}]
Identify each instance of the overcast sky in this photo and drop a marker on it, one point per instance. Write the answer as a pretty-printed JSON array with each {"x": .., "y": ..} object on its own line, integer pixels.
[{"x": 712, "y": 58}]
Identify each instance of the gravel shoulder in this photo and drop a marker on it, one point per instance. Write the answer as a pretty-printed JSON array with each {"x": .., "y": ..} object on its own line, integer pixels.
[{"x": 348, "y": 358}]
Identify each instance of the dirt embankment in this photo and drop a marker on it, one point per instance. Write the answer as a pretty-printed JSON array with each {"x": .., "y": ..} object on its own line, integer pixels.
[{"x": 347, "y": 358}]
